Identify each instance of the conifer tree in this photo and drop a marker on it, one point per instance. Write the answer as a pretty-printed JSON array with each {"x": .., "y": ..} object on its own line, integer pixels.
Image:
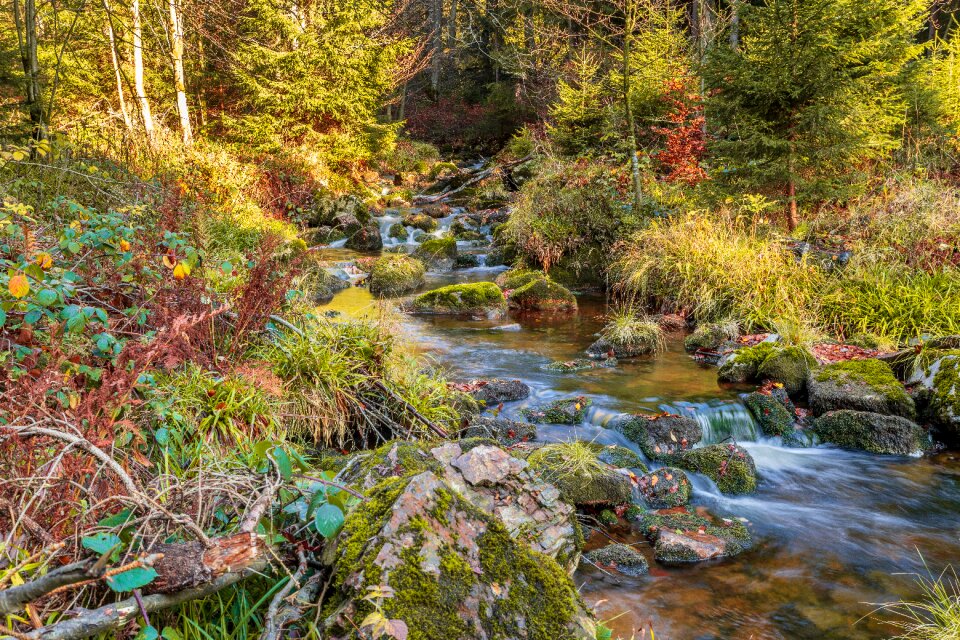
[{"x": 813, "y": 88}]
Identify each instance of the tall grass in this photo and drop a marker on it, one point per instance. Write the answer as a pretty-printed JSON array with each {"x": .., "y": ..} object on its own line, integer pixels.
[
  {"x": 935, "y": 615},
  {"x": 630, "y": 329}
]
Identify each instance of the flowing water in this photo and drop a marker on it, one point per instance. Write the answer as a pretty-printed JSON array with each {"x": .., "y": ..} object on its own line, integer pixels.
[{"x": 835, "y": 531}]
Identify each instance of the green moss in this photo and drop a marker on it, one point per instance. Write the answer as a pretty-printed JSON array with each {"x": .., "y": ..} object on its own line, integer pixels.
[
  {"x": 730, "y": 466},
  {"x": 773, "y": 417},
  {"x": 477, "y": 297},
  {"x": 398, "y": 231},
  {"x": 397, "y": 458},
  {"x": 682, "y": 521},
  {"x": 711, "y": 336},
  {"x": 608, "y": 518},
  {"x": 621, "y": 557},
  {"x": 659, "y": 436},
  {"x": 790, "y": 367},
  {"x": 516, "y": 278},
  {"x": 620, "y": 457},
  {"x": 565, "y": 411},
  {"x": 395, "y": 274},
  {"x": 420, "y": 221},
  {"x": 665, "y": 488},
  {"x": 862, "y": 385},
  {"x": 543, "y": 294},
  {"x": 580, "y": 364},
  {"x": 466, "y": 261},
  {"x": 743, "y": 364},
  {"x": 581, "y": 478},
  {"x": 437, "y": 252},
  {"x": 466, "y": 444},
  {"x": 945, "y": 401},
  {"x": 871, "y": 432}
]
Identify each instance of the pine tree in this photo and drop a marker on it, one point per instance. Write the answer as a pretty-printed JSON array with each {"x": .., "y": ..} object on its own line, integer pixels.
[{"x": 813, "y": 88}]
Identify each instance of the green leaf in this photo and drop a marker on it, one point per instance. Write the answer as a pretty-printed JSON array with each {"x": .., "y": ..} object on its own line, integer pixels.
[
  {"x": 131, "y": 579},
  {"x": 169, "y": 633},
  {"x": 3, "y": 317},
  {"x": 33, "y": 317},
  {"x": 283, "y": 462},
  {"x": 116, "y": 519},
  {"x": 328, "y": 519},
  {"x": 46, "y": 297},
  {"x": 100, "y": 543},
  {"x": 148, "y": 633}
]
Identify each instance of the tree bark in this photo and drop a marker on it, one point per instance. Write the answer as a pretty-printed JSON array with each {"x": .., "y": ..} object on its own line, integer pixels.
[
  {"x": 179, "y": 78},
  {"x": 734, "y": 25},
  {"x": 115, "y": 60},
  {"x": 25, "y": 20},
  {"x": 436, "y": 59},
  {"x": 628, "y": 108},
  {"x": 142, "y": 99}
]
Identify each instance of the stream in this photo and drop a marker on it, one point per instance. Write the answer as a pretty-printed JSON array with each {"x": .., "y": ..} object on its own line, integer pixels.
[{"x": 834, "y": 531}]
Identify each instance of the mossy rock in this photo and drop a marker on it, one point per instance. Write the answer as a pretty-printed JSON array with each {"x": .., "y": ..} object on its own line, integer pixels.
[
  {"x": 398, "y": 231},
  {"x": 366, "y": 239},
  {"x": 859, "y": 385},
  {"x": 665, "y": 488},
  {"x": 516, "y": 278},
  {"x": 730, "y": 466},
  {"x": 506, "y": 432},
  {"x": 621, "y": 558},
  {"x": 420, "y": 221},
  {"x": 466, "y": 261},
  {"x": 659, "y": 436},
  {"x": 499, "y": 256},
  {"x": 394, "y": 459},
  {"x": 478, "y": 298},
  {"x": 565, "y": 411},
  {"x": 743, "y": 364},
  {"x": 621, "y": 458},
  {"x": 409, "y": 536},
  {"x": 872, "y": 432},
  {"x": 439, "y": 254},
  {"x": 711, "y": 336},
  {"x": 320, "y": 285},
  {"x": 580, "y": 364},
  {"x": 944, "y": 398},
  {"x": 543, "y": 294},
  {"x": 790, "y": 367},
  {"x": 683, "y": 537},
  {"x": 496, "y": 390},
  {"x": 771, "y": 414},
  {"x": 597, "y": 487},
  {"x": 394, "y": 274}
]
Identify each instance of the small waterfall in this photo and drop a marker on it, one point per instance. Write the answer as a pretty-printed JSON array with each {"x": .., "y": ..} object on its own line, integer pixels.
[{"x": 718, "y": 419}]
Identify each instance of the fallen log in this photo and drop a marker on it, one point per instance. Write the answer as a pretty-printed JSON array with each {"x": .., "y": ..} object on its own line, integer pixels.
[{"x": 486, "y": 173}]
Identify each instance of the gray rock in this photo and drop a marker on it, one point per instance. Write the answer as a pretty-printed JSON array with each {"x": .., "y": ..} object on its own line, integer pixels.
[
  {"x": 659, "y": 436},
  {"x": 487, "y": 466},
  {"x": 873, "y": 432},
  {"x": 366, "y": 239},
  {"x": 504, "y": 431},
  {"x": 493, "y": 392},
  {"x": 621, "y": 558}
]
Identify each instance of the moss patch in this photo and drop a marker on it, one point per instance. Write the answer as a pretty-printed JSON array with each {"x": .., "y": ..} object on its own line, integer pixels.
[
  {"x": 516, "y": 278},
  {"x": 711, "y": 336},
  {"x": 565, "y": 411},
  {"x": 398, "y": 231},
  {"x": 871, "y": 432},
  {"x": 771, "y": 415},
  {"x": 620, "y": 457},
  {"x": 743, "y": 364},
  {"x": 395, "y": 275},
  {"x": 729, "y": 465},
  {"x": 861, "y": 385},
  {"x": 790, "y": 367},
  {"x": 437, "y": 253},
  {"x": 420, "y": 221},
  {"x": 543, "y": 294},
  {"x": 473, "y": 298},
  {"x": 945, "y": 399}
]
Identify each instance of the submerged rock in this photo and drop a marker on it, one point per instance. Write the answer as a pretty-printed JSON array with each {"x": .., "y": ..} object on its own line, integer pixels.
[
  {"x": 420, "y": 221},
  {"x": 506, "y": 432},
  {"x": 395, "y": 275},
  {"x": 771, "y": 414},
  {"x": 453, "y": 568},
  {"x": 437, "y": 254},
  {"x": 681, "y": 537},
  {"x": 565, "y": 411},
  {"x": 580, "y": 364},
  {"x": 494, "y": 391},
  {"x": 659, "y": 436},
  {"x": 466, "y": 261},
  {"x": 665, "y": 488},
  {"x": 398, "y": 231},
  {"x": 873, "y": 432},
  {"x": 621, "y": 558},
  {"x": 479, "y": 298},
  {"x": 859, "y": 385},
  {"x": 730, "y": 466}
]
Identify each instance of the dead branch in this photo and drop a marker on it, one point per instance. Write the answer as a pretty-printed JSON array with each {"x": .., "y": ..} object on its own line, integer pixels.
[
  {"x": 273, "y": 622},
  {"x": 15, "y": 598},
  {"x": 483, "y": 175}
]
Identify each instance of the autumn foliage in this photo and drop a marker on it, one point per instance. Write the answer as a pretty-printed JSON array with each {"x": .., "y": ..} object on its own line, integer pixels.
[{"x": 684, "y": 137}]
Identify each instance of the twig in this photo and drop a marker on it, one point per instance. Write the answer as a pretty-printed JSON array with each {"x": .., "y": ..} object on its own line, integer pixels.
[
  {"x": 419, "y": 416},
  {"x": 330, "y": 483},
  {"x": 272, "y": 624}
]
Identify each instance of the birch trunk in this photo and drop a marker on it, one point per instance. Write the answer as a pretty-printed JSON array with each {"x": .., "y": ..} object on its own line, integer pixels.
[
  {"x": 144, "y": 103},
  {"x": 179, "y": 78},
  {"x": 115, "y": 60}
]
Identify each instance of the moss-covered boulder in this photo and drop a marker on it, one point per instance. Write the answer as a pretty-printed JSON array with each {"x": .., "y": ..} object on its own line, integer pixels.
[
  {"x": 580, "y": 364},
  {"x": 659, "y": 436},
  {"x": 711, "y": 336},
  {"x": 367, "y": 238},
  {"x": 395, "y": 274},
  {"x": 620, "y": 457},
  {"x": 682, "y": 537},
  {"x": 516, "y": 278},
  {"x": 496, "y": 390},
  {"x": 771, "y": 414},
  {"x": 502, "y": 430},
  {"x": 873, "y": 432},
  {"x": 420, "y": 221},
  {"x": 935, "y": 378},
  {"x": 320, "y": 285},
  {"x": 565, "y": 411},
  {"x": 790, "y": 367},
  {"x": 620, "y": 558},
  {"x": 859, "y": 385},
  {"x": 437, "y": 254},
  {"x": 466, "y": 261},
  {"x": 729, "y": 465},
  {"x": 543, "y": 294},
  {"x": 582, "y": 479},
  {"x": 454, "y": 569},
  {"x": 743, "y": 364},
  {"x": 478, "y": 298},
  {"x": 398, "y": 231},
  {"x": 665, "y": 488}
]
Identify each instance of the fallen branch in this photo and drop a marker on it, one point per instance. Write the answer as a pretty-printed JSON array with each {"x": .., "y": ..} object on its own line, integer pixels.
[
  {"x": 15, "y": 598},
  {"x": 483, "y": 175},
  {"x": 274, "y": 623}
]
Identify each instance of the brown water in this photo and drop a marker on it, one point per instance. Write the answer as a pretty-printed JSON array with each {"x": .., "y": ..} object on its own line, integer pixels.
[{"x": 834, "y": 530}]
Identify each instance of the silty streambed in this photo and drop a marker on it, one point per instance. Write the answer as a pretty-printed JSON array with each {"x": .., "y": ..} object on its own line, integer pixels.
[{"x": 834, "y": 530}]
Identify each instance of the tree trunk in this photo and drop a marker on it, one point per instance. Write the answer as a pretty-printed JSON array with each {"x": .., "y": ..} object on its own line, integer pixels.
[
  {"x": 436, "y": 58},
  {"x": 628, "y": 108},
  {"x": 179, "y": 78},
  {"x": 734, "y": 25},
  {"x": 145, "y": 114},
  {"x": 115, "y": 60},
  {"x": 26, "y": 23}
]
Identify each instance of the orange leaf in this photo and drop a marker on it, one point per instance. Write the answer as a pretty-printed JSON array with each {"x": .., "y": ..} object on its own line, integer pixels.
[
  {"x": 44, "y": 260},
  {"x": 124, "y": 245},
  {"x": 654, "y": 480},
  {"x": 18, "y": 286}
]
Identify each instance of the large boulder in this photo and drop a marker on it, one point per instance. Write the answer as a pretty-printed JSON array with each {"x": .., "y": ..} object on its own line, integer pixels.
[
  {"x": 395, "y": 274},
  {"x": 620, "y": 558},
  {"x": 871, "y": 432},
  {"x": 661, "y": 435},
  {"x": 543, "y": 294},
  {"x": 665, "y": 488},
  {"x": 366, "y": 239},
  {"x": 502, "y": 430},
  {"x": 437, "y": 254},
  {"x": 453, "y": 570},
  {"x": 712, "y": 336},
  {"x": 790, "y": 367},
  {"x": 516, "y": 278},
  {"x": 582, "y": 479},
  {"x": 771, "y": 414},
  {"x": 730, "y": 466},
  {"x": 477, "y": 299},
  {"x": 682, "y": 537},
  {"x": 494, "y": 391},
  {"x": 936, "y": 380},
  {"x": 859, "y": 385},
  {"x": 564, "y": 411},
  {"x": 743, "y": 364},
  {"x": 420, "y": 221}
]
